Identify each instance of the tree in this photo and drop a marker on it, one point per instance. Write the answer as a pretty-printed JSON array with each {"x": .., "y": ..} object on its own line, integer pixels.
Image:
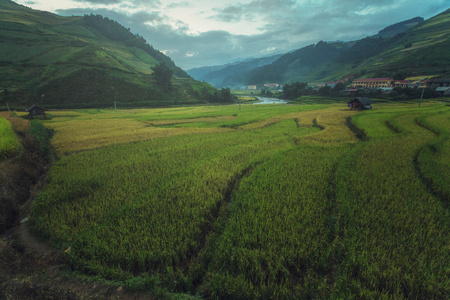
[
  {"x": 294, "y": 90},
  {"x": 325, "y": 90},
  {"x": 163, "y": 75},
  {"x": 225, "y": 95},
  {"x": 339, "y": 87},
  {"x": 220, "y": 96}
]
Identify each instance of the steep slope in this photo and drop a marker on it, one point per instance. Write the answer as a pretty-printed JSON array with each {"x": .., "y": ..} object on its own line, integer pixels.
[
  {"x": 419, "y": 51},
  {"x": 294, "y": 65},
  {"x": 81, "y": 61},
  {"x": 397, "y": 28},
  {"x": 410, "y": 48}
]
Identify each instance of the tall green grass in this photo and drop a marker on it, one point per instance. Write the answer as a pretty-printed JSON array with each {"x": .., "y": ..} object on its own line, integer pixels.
[
  {"x": 396, "y": 234},
  {"x": 279, "y": 237},
  {"x": 159, "y": 196},
  {"x": 9, "y": 142},
  {"x": 434, "y": 157}
]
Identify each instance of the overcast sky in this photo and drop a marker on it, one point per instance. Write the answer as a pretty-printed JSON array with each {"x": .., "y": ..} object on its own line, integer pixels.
[{"x": 199, "y": 33}]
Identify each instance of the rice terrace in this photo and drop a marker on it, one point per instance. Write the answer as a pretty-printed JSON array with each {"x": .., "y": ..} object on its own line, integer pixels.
[
  {"x": 270, "y": 150},
  {"x": 270, "y": 201}
]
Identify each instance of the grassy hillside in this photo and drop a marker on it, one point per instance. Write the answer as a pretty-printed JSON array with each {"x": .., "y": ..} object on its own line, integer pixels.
[
  {"x": 419, "y": 51},
  {"x": 80, "y": 61},
  {"x": 296, "y": 64},
  {"x": 413, "y": 48},
  {"x": 395, "y": 29},
  {"x": 422, "y": 50}
]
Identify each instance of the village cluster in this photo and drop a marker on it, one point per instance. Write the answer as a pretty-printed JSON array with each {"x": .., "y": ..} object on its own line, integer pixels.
[{"x": 442, "y": 86}]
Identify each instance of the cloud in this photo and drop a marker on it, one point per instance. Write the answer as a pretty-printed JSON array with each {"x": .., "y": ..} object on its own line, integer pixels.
[
  {"x": 256, "y": 8},
  {"x": 124, "y": 3},
  {"x": 178, "y": 5},
  {"x": 230, "y": 14},
  {"x": 99, "y": 1},
  {"x": 142, "y": 17},
  {"x": 436, "y": 8},
  {"x": 279, "y": 26}
]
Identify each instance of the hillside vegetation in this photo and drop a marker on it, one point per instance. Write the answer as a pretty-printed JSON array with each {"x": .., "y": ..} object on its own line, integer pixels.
[
  {"x": 419, "y": 51},
  {"x": 275, "y": 201},
  {"x": 85, "y": 61},
  {"x": 411, "y": 48}
]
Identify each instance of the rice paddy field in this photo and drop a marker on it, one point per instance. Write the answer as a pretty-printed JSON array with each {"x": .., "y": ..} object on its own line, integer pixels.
[
  {"x": 9, "y": 142},
  {"x": 270, "y": 201}
]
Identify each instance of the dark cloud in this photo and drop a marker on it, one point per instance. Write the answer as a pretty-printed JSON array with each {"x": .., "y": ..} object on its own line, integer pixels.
[
  {"x": 129, "y": 3},
  {"x": 100, "y": 1}
]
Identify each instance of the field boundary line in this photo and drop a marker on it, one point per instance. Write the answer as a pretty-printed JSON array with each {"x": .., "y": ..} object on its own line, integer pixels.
[{"x": 359, "y": 133}]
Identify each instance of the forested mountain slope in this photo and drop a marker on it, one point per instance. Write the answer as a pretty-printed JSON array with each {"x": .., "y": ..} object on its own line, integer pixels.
[
  {"x": 85, "y": 61},
  {"x": 410, "y": 48},
  {"x": 230, "y": 74}
]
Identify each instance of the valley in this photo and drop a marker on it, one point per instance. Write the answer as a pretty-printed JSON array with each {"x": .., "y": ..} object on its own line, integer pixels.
[{"x": 319, "y": 173}]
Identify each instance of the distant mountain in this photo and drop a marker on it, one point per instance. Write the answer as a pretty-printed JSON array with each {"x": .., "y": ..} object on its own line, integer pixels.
[
  {"x": 229, "y": 74},
  {"x": 296, "y": 64},
  {"x": 422, "y": 50},
  {"x": 412, "y": 47},
  {"x": 89, "y": 61},
  {"x": 397, "y": 28}
]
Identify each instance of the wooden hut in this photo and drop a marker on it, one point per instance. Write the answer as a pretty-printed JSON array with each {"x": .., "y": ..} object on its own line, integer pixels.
[
  {"x": 360, "y": 103},
  {"x": 35, "y": 110}
]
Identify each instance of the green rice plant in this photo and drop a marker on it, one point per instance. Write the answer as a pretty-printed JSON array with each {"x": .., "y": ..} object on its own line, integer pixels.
[
  {"x": 9, "y": 142},
  {"x": 280, "y": 232},
  {"x": 147, "y": 193},
  {"x": 396, "y": 234},
  {"x": 266, "y": 202},
  {"x": 434, "y": 158}
]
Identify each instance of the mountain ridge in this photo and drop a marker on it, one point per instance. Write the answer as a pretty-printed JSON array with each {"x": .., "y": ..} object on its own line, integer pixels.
[
  {"x": 396, "y": 48},
  {"x": 57, "y": 61},
  {"x": 216, "y": 75}
]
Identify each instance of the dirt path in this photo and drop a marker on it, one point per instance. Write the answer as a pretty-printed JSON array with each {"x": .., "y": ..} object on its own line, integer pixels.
[{"x": 33, "y": 243}]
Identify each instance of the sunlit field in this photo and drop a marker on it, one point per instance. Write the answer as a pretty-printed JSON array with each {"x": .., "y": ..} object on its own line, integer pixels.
[{"x": 266, "y": 201}]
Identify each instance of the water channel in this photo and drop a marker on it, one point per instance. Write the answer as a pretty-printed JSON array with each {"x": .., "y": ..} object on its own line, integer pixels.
[{"x": 265, "y": 100}]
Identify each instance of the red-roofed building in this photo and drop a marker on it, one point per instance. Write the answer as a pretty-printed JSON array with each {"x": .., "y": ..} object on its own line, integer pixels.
[{"x": 372, "y": 83}]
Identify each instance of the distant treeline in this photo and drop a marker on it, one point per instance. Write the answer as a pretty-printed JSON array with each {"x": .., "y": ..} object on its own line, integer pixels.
[
  {"x": 113, "y": 30},
  {"x": 218, "y": 96},
  {"x": 297, "y": 89}
]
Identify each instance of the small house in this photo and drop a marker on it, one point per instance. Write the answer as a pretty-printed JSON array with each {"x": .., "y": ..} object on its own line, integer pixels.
[
  {"x": 443, "y": 91},
  {"x": 360, "y": 103},
  {"x": 35, "y": 110}
]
